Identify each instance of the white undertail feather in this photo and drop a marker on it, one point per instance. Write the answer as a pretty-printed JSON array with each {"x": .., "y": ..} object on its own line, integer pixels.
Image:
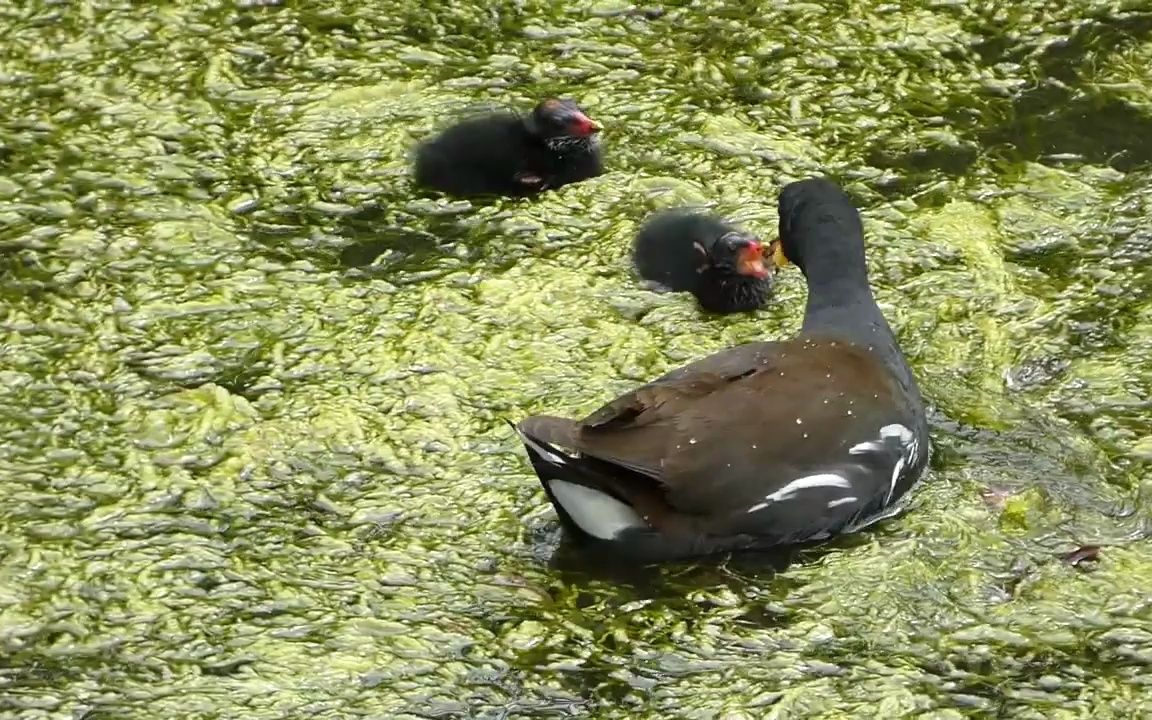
[{"x": 598, "y": 514}]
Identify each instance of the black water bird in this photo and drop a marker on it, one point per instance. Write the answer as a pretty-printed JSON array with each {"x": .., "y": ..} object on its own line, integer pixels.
[{"x": 762, "y": 445}]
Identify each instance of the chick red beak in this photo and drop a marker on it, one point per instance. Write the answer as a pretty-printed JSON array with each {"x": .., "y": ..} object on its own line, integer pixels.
[
  {"x": 750, "y": 262},
  {"x": 582, "y": 125}
]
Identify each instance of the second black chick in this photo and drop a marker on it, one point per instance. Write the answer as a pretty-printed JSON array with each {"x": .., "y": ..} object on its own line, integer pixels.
[
  {"x": 507, "y": 154},
  {"x": 683, "y": 251}
]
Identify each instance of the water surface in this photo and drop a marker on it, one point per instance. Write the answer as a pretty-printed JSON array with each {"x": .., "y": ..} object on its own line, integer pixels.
[{"x": 254, "y": 459}]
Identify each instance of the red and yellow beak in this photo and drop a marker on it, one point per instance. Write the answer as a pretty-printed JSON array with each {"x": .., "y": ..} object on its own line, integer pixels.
[
  {"x": 583, "y": 126},
  {"x": 750, "y": 261}
]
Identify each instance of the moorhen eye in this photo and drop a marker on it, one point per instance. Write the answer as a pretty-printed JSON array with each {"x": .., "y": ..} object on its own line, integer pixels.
[
  {"x": 507, "y": 154},
  {"x": 760, "y": 445},
  {"x": 683, "y": 251}
]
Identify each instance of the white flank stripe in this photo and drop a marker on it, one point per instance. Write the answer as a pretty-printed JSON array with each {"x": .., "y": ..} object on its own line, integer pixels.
[
  {"x": 865, "y": 447},
  {"x": 842, "y": 501},
  {"x": 895, "y": 476},
  {"x": 897, "y": 430},
  {"x": 808, "y": 481}
]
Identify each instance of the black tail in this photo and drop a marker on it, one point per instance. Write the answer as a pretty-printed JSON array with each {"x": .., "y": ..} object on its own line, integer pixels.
[
  {"x": 550, "y": 463},
  {"x": 636, "y": 543}
]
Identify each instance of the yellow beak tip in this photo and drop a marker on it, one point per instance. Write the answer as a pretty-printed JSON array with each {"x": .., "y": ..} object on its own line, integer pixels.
[{"x": 778, "y": 257}]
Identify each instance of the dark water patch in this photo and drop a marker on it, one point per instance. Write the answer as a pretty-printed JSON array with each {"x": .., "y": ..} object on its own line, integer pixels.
[
  {"x": 953, "y": 161},
  {"x": 1093, "y": 41},
  {"x": 24, "y": 275},
  {"x": 1036, "y": 372},
  {"x": 1126, "y": 242},
  {"x": 1056, "y": 254},
  {"x": 1066, "y": 490},
  {"x": 1085, "y": 39},
  {"x": 393, "y": 245},
  {"x": 1114, "y": 420},
  {"x": 912, "y": 172},
  {"x": 1056, "y": 121},
  {"x": 376, "y": 239},
  {"x": 247, "y": 378},
  {"x": 1058, "y": 117},
  {"x": 1090, "y": 331}
]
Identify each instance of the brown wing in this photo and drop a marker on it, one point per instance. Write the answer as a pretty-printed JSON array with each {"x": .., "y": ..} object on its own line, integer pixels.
[{"x": 723, "y": 432}]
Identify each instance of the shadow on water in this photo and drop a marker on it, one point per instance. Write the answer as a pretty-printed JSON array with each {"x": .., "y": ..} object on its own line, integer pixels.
[
  {"x": 374, "y": 242},
  {"x": 403, "y": 245},
  {"x": 581, "y": 563}
]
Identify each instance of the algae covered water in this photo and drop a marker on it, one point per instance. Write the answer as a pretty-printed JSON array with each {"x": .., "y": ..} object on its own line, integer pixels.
[{"x": 254, "y": 460}]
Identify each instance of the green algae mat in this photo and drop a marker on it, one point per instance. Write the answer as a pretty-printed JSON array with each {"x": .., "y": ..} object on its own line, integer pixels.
[{"x": 254, "y": 463}]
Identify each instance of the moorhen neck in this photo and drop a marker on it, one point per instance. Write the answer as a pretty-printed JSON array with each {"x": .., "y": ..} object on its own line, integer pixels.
[
  {"x": 506, "y": 154},
  {"x": 760, "y": 445},
  {"x": 683, "y": 251}
]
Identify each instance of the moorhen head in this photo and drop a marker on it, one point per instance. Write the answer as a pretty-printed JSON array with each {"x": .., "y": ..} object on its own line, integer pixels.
[
  {"x": 682, "y": 251},
  {"x": 760, "y": 445},
  {"x": 506, "y": 154},
  {"x": 562, "y": 126}
]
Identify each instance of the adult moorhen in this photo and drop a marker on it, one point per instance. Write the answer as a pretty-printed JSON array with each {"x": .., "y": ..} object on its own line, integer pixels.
[
  {"x": 762, "y": 444},
  {"x": 684, "y": 251},
  {"x": 506, "y": 154}
]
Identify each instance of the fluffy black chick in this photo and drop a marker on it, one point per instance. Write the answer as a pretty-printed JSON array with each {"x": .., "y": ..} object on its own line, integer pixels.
[
  {"x": 512, "y": 155},
  {"x": 684, "y": 251}
]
